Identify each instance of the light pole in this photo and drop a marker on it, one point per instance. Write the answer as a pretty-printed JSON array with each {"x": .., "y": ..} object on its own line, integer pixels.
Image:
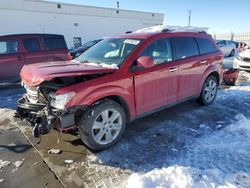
[
  {"x": 189, "y": 16},
  {"x": 117, "y": 6}
]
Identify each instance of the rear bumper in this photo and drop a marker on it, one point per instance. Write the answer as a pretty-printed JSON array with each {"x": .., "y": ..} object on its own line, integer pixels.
[{"x": 230, "y": 76}]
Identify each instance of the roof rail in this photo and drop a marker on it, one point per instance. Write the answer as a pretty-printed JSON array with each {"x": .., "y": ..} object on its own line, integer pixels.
[{"x": 172, "y": 29}]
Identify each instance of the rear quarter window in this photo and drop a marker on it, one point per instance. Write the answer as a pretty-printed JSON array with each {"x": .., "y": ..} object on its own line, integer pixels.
[
  {"x": 54, "y": 42},
  {"x": 185, "y": 47},
  {"x": 205, "y": 46}
]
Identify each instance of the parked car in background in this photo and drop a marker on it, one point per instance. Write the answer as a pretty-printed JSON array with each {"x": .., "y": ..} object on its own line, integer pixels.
[
  {"x": 230, "y": 74},
  {"x": 242, "y": 61},
  {"x": 227, "y": 47},
  {"x": 23, "y": 49},
  {"x": 78, "y": 51},
  {"x": 239, "y": 44},
  {"x": 119, "y": 80}
]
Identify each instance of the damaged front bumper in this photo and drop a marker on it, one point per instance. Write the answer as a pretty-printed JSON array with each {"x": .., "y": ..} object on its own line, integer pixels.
[{"x": 43, "y": 117}]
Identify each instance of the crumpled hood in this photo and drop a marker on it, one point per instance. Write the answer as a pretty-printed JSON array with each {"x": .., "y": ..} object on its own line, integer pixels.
[
  {"x": 245, "y": 53},
  {"x": 34, "y": 74}
]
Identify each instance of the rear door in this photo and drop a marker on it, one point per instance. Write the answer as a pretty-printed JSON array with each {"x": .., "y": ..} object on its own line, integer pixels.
[
  {"x": 55, "y": 48},
  {"x": 186, "y": 53},
  {"x": 32, "y": 50},
  {"x": 156, "y": 87},
  {"x": 11, "y": 58}
]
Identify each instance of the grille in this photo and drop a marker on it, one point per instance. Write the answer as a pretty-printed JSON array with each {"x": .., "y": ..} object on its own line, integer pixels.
[
  {"x": 245, "y": 67},
  {"x": 246, "y": 59}
]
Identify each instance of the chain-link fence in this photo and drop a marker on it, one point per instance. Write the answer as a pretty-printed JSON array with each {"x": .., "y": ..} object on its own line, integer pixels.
[{"x": 240, "y": 37}]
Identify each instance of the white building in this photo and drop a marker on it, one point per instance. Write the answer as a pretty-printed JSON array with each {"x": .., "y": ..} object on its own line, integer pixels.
[{"x": 75, "y": 22}]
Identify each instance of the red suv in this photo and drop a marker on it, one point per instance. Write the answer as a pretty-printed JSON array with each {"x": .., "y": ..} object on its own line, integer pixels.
[
  {"x": 23, "y": 49},
  {"x": 118, "y": 80}
]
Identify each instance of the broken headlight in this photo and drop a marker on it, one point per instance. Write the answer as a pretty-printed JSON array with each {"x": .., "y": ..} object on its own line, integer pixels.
[{"x": 59, "y": 101}]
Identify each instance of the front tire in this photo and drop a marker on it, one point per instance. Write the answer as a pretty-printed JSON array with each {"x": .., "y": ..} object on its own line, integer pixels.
[
  {"x": 209, "y": 91},
  {"x": 102, "y": 125}
]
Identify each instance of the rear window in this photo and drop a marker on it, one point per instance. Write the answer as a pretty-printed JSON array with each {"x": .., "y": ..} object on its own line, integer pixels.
[
  {"x": 185, "y": 47},
  {"x": 8, "y": 47},
  {"x": 205, "y": 46},
  {"x": 54, "y": 42},
  {"x": 31, "y": 44}
]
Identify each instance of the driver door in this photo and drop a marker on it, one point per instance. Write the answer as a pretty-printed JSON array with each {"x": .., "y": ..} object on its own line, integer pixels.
[{"x": 156, "y": 87}]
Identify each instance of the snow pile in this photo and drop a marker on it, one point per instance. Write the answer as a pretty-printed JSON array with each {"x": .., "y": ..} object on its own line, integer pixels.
[
  {"x": 223, "y": 153},
  {"x": 187, "y": 177}
]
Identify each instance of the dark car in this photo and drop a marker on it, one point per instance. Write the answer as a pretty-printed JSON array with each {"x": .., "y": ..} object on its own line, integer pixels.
[
  {"x": 118, "y": 80},
  {"x": 23, "y": 49},
  {"x": 78, "y": 51}
]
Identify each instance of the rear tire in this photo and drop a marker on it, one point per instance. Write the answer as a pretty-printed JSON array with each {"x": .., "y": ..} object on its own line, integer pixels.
[
  {"x": 209, "y": 91},
  {"x": 102, "y": 125}
]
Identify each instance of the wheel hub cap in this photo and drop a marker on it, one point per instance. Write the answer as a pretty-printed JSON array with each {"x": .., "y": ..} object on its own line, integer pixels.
[
  {"x": 107, "y": 126},
  {"x": 210, "y": 90}
]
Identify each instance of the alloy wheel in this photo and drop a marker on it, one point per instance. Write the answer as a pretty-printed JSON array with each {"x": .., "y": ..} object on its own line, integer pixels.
[{"x": 107, "y": 126}]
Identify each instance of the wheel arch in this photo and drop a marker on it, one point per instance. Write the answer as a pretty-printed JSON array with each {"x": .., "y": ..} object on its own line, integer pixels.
[
  {"x": 216, "y": 75},
  {"x": 120, "y": 101}
]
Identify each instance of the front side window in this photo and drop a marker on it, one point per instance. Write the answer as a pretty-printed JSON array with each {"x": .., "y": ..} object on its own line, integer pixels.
[
  {"x": 185, "y": 47},
  {"x": 54, "y": 42},
  {"x": 8, "y": 47},
  {"x": 31, "y": 44},
  {"x": 205, "y": 46},
  {"x": 109, "y": 52},
  {"x": 159, "y": 50}
]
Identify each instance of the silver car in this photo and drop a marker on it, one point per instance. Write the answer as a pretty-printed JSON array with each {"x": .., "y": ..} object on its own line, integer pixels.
[
  {"x": 242, "y": 61},
  {"x": 227, "y": 47}
]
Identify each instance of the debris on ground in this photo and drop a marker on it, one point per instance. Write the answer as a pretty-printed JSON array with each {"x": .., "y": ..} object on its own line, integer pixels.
[
  {"x": 18, "y": 163},
  {"x": 68, "y": 161},
  {"x": 54, "y": 151},
  {"x": 4, "y": 163},
  {"x": 175, "y": 150},
  {"x": 12, "y": 144},
  {"x": 1, "y": 180}
]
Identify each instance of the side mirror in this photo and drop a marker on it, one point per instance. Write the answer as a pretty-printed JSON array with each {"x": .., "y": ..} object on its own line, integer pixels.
[{"x": 145, "y": 62}]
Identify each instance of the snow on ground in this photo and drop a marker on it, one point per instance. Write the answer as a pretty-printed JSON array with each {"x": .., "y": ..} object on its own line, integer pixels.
[
  {"x": 225, "y": 153},
  {"x": 9, "y": 97}
]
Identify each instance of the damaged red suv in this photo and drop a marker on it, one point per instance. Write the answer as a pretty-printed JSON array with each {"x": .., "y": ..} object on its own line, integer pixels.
[{"x": 119, "y": 80}]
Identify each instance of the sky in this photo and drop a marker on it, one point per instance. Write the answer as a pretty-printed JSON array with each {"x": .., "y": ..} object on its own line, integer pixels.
[{"x": 221, "y": 16}]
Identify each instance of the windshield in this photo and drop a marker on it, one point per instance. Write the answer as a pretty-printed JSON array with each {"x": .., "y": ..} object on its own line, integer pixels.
[
  {"x": 90, "y": 43},
  {"x": 109, "y": 52}
]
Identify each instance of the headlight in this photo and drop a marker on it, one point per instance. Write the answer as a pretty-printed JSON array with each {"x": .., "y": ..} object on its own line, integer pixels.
[{"x": 59, "y": 101}]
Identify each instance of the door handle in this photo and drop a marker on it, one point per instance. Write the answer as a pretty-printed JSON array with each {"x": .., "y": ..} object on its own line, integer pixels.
[
  {"x": 203, "y": 62},
  {"x": 173, "y": 69}
]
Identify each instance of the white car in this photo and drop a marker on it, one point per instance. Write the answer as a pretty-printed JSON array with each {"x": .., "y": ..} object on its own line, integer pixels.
[
  {"x": 228, "y": 48},
  {"x": 242, "y": 61}
]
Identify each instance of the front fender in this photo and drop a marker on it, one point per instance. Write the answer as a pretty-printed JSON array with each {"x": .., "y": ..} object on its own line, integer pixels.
[{"x": 90, "y": 96}]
